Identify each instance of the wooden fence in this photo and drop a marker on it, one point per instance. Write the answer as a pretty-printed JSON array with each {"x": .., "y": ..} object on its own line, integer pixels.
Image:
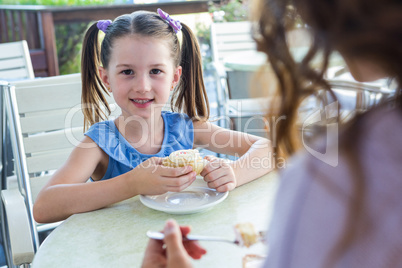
[{"x": 36, "y": 25}]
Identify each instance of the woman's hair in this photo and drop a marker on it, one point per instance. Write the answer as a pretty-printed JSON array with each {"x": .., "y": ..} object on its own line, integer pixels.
[
  {"x": 359, "y": 29},
  {"x": 366, "y": 29},
  {"x": 189, "y": 95}
]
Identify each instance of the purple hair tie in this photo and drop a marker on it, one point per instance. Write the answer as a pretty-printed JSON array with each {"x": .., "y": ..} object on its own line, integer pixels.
[
  {"x": 175, "y": 24},
  {"x": 103, "y": 24}
]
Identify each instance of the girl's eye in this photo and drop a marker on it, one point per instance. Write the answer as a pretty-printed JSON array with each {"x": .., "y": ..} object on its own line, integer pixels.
[
  {"x": 155, "y": 71},
  {"x": 128, "y": 72}
]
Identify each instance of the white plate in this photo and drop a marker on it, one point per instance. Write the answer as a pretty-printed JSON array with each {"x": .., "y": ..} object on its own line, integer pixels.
[{"x": 197, "y": 197}]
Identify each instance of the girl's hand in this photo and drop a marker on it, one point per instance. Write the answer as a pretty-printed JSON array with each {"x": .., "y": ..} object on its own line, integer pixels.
[
  {"x": 219, "y": 174},
  {"x": 153, "y": 179},
  {"x": 177, "y": 253}
]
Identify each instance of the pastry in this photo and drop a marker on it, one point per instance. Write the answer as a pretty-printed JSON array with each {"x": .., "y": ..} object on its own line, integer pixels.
[
  {"x": 184, "y": 158},
  {"x": 253, "y": 261},
  {"x": 246, "y": 234}
]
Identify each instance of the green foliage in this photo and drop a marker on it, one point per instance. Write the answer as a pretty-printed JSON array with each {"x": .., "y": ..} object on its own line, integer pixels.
[
  {"x": 69, "y": 43},
  {"x": 233, "y": 10},
  {"x": 203, "y": 32},
  {"x": 225, "y": 11}
]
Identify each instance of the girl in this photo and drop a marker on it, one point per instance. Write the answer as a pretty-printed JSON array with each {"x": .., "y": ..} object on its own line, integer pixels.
[
  {"x": 140, "y": 62},
  {"x": 344, "y": 216}
]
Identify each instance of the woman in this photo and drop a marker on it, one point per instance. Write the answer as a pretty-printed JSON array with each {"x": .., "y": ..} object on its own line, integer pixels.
[{"x": 348, "y": 215}]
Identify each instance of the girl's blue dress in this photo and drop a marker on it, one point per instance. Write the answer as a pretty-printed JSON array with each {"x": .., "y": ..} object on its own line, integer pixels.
[{"x": 179, "y": 135}]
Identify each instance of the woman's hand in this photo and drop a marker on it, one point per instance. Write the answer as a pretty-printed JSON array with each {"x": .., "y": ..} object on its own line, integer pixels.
[
  {"x": 151, "y": 178},
  {"x": 219, "y": 174},
  {"x": 176, "y": 254}
]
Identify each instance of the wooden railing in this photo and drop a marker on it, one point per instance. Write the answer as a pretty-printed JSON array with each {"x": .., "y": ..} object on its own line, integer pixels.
[{"x": 36, "y": 24}]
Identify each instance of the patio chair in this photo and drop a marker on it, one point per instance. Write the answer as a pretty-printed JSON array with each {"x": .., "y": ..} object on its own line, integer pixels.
[
  {"x": 357, "y": 96},
  {"x": 15, "y": 64},
  {"x": 15, "y": 61},
  {"x": 233, "y": 39},
  {"x": 46, "y": 122}
]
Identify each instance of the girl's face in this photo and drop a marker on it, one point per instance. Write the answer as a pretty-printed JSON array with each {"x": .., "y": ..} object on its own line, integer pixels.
[{"x": 140, "y": 75}]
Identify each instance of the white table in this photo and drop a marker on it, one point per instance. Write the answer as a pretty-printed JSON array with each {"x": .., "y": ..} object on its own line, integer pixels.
[{"x": 115, "y": 236}]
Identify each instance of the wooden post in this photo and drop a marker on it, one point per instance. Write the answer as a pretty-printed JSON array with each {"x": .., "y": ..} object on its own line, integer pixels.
[{"x": 49, "y": 38}]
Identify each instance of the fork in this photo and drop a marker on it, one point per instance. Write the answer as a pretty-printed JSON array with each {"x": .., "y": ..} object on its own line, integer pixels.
[{"x": 160, "y": 236}]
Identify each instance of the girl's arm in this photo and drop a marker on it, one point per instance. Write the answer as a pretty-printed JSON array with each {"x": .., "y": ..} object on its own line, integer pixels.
[
  {"x": 68, "y": 192},
  {"x": 255, "y": 155}
]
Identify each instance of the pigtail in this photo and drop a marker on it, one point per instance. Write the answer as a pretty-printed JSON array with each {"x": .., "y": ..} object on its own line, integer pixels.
[
  {"x": 190, "y": 96},
  {"x": 94, "y": 105}
]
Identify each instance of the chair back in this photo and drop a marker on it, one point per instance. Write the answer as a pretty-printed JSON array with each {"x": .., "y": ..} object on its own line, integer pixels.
[
  {"x": 228, "y": 38},
  {"x": 46, "y": 123},
  {"x": 238, "y": 109},
  {"x": 355, "y": 96},
  {"x": 360, "y": 96},
  {"x": 15, "y": 61}
]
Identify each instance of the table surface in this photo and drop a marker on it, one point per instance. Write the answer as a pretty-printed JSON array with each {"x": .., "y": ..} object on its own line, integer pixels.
[{"x": 116, "y": 235}]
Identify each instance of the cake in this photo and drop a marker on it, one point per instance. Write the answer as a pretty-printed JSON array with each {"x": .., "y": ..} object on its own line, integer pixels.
[
  {"x": 246, "y": 234},
  {"x": 253, "y": 261},
  {"x": 184, "y": 158}
]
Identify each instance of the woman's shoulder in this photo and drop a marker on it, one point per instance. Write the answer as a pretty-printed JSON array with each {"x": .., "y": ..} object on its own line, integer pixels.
[
  {"x": 329, "y": 171},
  {"x": 383, "y": 123},
  {"x": 378, "y": 137},
  {"x": 304, "y": 171}
]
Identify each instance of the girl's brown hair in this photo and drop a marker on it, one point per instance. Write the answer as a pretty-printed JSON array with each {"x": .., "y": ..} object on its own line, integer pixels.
[
  {"x": 362, "y": 29},
  {"x": 189, "y": 95}
]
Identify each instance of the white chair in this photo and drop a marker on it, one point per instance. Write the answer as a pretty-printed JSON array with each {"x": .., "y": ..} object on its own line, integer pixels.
[
  {"x": 15, "y": 64},
  {"x": 228, "y": 38},
  {"x": 352, "y": 96},
  {"x": 355, "y": 96},
  {"x": 15, "y": 61},
  {"x": 233, "y": 39},
  {"x": 46, "y": 122}
]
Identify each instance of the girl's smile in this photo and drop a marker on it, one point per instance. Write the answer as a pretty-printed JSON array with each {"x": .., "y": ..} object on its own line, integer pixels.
[{"x": 142, "y": 103}]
